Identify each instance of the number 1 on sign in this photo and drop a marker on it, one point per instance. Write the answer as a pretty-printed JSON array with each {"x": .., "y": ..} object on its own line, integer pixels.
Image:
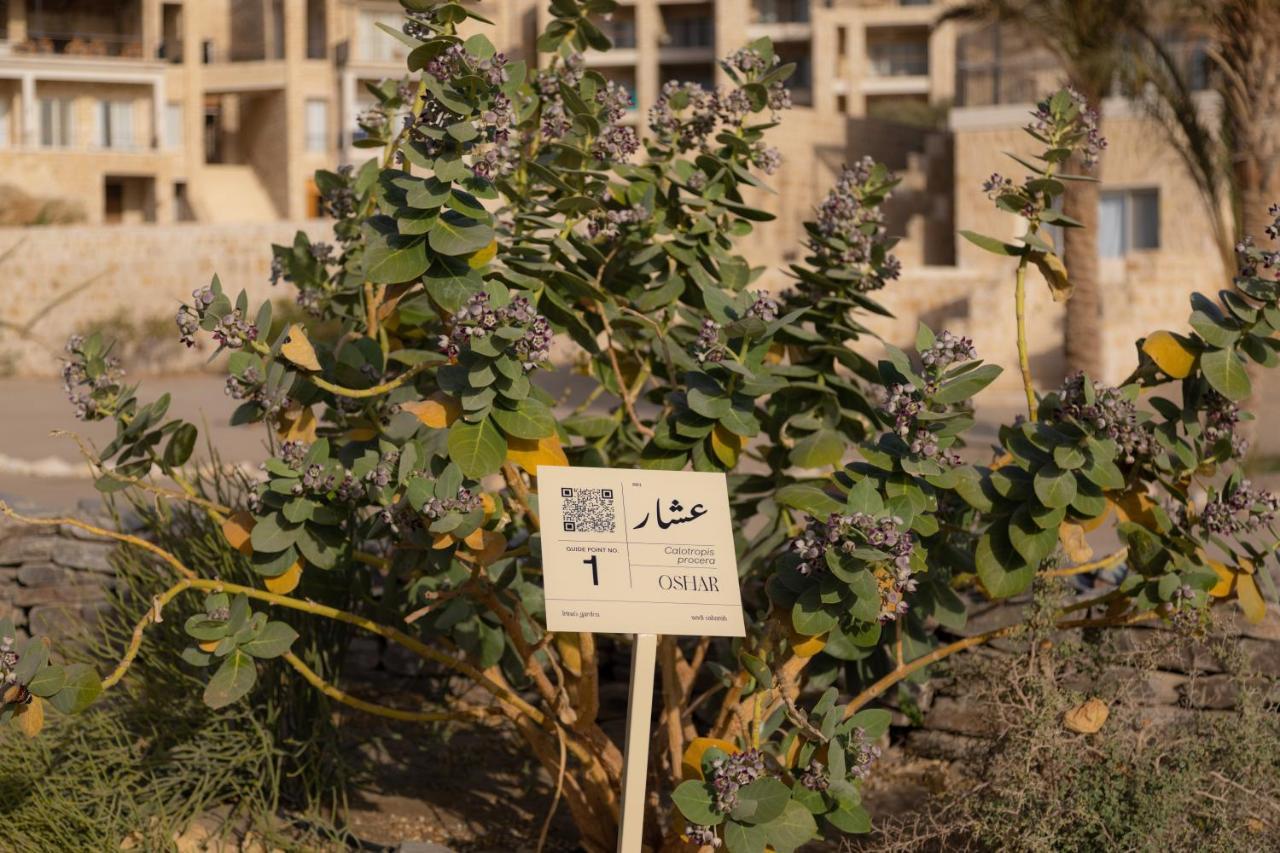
[{"x": 595, "y": 569}]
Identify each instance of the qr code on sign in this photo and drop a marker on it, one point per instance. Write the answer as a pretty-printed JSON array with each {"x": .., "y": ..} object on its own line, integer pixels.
[{"x": 588, "y": 510}]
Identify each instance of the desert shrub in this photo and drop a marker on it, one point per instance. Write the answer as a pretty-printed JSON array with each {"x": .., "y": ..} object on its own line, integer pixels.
[
  {"x": 511, "y": 208},
  {"x": 1145, "y": 781}
]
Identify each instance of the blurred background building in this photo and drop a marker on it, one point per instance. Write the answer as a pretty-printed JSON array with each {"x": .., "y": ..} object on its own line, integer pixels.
[{"x": 183, "y": 136}]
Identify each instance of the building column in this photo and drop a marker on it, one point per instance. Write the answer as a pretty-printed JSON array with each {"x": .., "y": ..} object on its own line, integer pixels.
[
  {"x": 648, "y": 31},
  {"x": 159, "y": 132},
  {"x": 30, "y": 112},
  {"x": 17, "y": 23},
  {"x": 150, "y": 28},
  {"x": 346, "y": 113}
]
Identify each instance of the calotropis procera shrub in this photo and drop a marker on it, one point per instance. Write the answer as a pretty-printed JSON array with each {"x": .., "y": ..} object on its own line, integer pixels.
[{"x": 517, "y": 221}]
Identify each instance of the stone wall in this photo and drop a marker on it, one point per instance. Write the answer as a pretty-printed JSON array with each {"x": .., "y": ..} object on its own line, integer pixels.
[
  {"x": 54, "y": 580},
  {"x": 127, "y": 275},
  {"x": 1174, "y": 681}
]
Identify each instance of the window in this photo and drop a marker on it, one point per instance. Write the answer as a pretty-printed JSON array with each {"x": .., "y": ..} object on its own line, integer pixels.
[
  {"x": 55, "y": 122},
  {"x": 173, "y": 125},
  {"x": 1128, "y": 221},
  {"x": 373, "y": 44},
  {"x": 900, "y": 58},
  {"x": 317, "y": 124},
  {"x": 115, "y": 124}
]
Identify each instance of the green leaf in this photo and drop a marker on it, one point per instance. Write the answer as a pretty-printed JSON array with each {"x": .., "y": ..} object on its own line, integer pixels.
[
  {"x": 181, "y": 443},
  {"x": 761, "y": 801},
  {"x": 81, "y": 687},
  {"x": 48, "y": 681},
  {"x": 794, "y": 827},
  {"x": 455, "y": 234},
  {"x": 873, "y": 722},
  {"x": 275, "y": 640},
  {"x": 694, "y": 798},
  {"x": 1054, "y": 487},
  {"x": 477, "y": 448},
  {"x": 232, "y": 680},
  {"x": 530, "y": 419},
  {"x": 744, "y": 838},
  {"x": 966, "y": 385},
  {"x": 1000, "y": 568},
  {"x": 390, "y": 258},
  {"x": 991, "y": 244},
  {"x": 848, "y": 817},
  {"x": 811, "y": 499},
  {"x": 1223, "y": 370},
  {"x": 273, "y": 533},
  {"x": 819, "y": 450}
]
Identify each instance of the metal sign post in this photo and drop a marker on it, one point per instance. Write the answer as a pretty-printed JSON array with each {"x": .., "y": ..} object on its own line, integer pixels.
[{"x": 635, "y": 758}]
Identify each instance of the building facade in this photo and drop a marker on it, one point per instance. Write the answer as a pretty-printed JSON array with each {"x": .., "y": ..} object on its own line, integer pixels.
[
  {"x": 221, "y": 110},
  {"x": 176, "y": 110}
]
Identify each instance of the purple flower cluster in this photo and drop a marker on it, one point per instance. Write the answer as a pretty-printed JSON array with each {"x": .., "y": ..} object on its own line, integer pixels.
[
  {"x": 83, "y": 389},
  {"x": 707, "y": 347},
  {"x": 947, "y": 349},
  {"x": 1079, "y": 130},
  {"x": 861, "y": 755},
  {"x": 555, "y": 119},
  {"x": 814, "y": 776},
  {"x": 997, "y": 185},
  {"x": 1111, "y": 414},
  {"x": 763, "y": 308},
  {"x": 465, "y": 501},
  {"x": 848, "y": 533},
  {"x": 686, "y": 114},
  {"x": 903, "y": 404},
  {"x": 1242, "y": 509},
  {"x": 702, "y": 836},
  {"x": 477, "y": 318},
  {"x": 851, "y": 230},
  {"x": 339, "y": 202},
  {"x": 9, "y": 658},
  {"x": 1221, "y": 418},
  {"x": 232, "y": 330},
  {"x": 730, "y": 774},
  {"x": 609, "y": 223}
]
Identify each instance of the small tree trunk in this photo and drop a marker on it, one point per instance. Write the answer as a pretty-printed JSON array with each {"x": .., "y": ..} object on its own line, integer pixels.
[{"x": 1083, "y": 347}]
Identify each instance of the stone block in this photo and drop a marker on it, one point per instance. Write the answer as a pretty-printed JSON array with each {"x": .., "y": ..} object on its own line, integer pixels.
[
  {"x": 81, "y": 554},
  {"x": 8, "y": 611},
  {"x": 26, "y": 549},
  {"x": 422, "y": 847},
  {"x": 50, "y": 574},
  {"x": 55, "y": 621},
  {"x": 25, "y": 596},
  {"x": 952, "y": 715},
  {"x": 941, "y": 745},
  {"x": 363, "y": 654}
]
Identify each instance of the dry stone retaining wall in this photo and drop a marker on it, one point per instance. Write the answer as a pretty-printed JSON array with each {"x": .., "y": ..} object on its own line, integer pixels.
[{"x": 54, "y": 580}]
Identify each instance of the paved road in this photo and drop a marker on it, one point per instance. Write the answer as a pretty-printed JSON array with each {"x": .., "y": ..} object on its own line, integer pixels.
[{"x": 46, "y": 470}]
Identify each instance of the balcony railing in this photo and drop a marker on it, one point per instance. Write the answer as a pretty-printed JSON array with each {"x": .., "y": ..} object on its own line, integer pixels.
[
  {"x": 781, "y": 11},
  {"x": 1023, "y": 76},
  {"x": 81, "y": 44},
  {"x": 899, "y": 59}
]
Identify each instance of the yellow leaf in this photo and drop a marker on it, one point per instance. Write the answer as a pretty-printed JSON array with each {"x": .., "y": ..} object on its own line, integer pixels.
[
  {"x": 297, "y": 348},
  {"x": 30, "y": 717},
  {"x": 437, "y": 411},
  {"x": 530, "y": 453},
  {"x": 487, "y": 545},
  {"x": 1135, "y": 506},
  {"x": 360, "y": 432},
  {"x": 807, "y": 647},
  {"x": 1089, "y": 525},
  {"x": 1169, "y": 354},
  {"x": 726, "y": 445},
  {"x": 1225, "y": 576},
  {"x": 1255, "y": 609},
  {"x": 236, "y": 530},
  {"x": 480, "y": 257},
  {"x": 444, "y": 540},
  {"x": 570, "y": 652},
  {"x": 296, "y": 423},
  {"x": 1055, "y": 274},
  {"x": 1074, "y": 543},
  {"x": 209, "y": 645},
  {"x": 775, "y": 353},
  {"x": 691, "y": 761},
  {"x": 285, "y": 583},
  {"x": 488, "y": 503},
  {"x": 1087, "y": 717}
]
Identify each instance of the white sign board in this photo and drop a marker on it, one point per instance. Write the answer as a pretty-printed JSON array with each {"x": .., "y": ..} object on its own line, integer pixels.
[{"x": 628, "y": 551}]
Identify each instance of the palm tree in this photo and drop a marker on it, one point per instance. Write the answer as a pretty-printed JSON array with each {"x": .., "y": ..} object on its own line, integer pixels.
[
  {"x": 1088, "y": 38},
  {"x": 1231, "y": 153}
]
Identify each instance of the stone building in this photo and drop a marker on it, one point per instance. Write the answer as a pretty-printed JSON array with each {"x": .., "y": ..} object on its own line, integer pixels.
[{"x": 177, "y": 110}]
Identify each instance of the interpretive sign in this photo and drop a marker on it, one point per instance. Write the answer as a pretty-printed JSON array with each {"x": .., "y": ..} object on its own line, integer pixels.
[{"x": 628, "y": 551}]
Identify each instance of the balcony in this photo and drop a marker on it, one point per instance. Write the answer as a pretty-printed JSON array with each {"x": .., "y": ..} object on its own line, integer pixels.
[
  {"x": 780, "y": 12},
  {"x": 92, "y": 45}
]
